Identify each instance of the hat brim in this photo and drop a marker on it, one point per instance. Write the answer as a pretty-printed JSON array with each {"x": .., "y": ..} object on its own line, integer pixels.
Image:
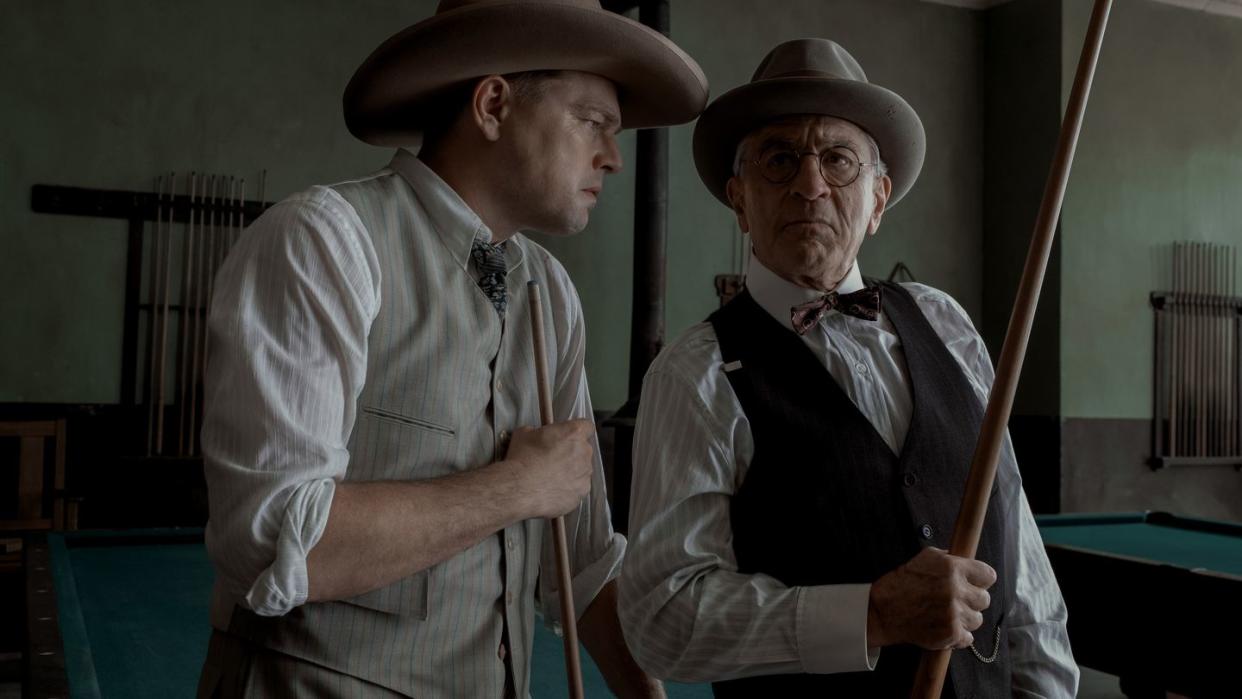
[
  {"x": 657, "y": 83},
  {"x": 882, "y": 113}
]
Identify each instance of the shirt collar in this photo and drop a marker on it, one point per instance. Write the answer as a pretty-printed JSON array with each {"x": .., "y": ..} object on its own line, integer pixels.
[
  {"x": 778, "y": 296},
  {"x": 452, "y": 218}
]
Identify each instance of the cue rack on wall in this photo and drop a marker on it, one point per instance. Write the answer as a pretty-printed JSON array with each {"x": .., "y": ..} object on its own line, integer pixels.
[
  {"x": 179, "y": 234},
  {"x": 1197, "y": 412}
]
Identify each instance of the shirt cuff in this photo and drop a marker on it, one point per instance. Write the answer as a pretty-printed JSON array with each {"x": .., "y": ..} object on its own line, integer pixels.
[
  {"x": 285, "y": 584},
  {"x": 586, "y": 583},
  {"x": 832, "y": 629}
]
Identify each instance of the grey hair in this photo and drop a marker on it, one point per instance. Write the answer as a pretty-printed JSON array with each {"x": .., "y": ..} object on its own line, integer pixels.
[{"x": 880, "y": 168}]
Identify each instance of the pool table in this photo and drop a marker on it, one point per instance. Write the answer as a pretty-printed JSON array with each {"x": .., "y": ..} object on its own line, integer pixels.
[
  {"x": 1153, "y": 598},
  {"x": 125, "y": 614}
]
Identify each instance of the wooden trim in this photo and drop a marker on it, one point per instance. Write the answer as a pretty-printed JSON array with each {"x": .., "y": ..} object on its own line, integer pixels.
[
  {"x": 30, "y": 478},
  {"x": 28, "y": 428},
  {"x": 43, "y": 673}
]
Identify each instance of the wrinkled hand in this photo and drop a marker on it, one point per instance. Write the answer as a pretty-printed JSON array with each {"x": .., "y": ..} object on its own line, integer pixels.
[
  {"x": 553, "y": 465},
  {"x": 934, "y": 600}
]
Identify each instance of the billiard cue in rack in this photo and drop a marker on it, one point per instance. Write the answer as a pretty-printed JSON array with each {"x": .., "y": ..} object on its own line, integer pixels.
[
  {"x": 162, "y": 314},
  {"x": 969, "y": 525},
  {"x": 185, "y": 322},
  {"x": 152, "y": 298},
  {"x": 569, "y": 620}
]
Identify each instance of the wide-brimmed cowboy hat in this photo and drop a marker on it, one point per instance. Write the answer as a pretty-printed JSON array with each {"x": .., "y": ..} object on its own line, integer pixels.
[
  {"x": 809, "y": 76},
  {"x": 657, "y": 83}
]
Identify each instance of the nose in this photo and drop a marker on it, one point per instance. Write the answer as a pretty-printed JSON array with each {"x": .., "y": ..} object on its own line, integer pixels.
[
  {"x": 608, "y": 158},
  {"x": 809, "y": 182}
]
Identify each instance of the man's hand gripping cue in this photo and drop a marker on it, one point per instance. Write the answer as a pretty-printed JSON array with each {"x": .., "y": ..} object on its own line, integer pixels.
[
  {"x": 553, "y": 465},
  {"x": 934, "y": 600}
]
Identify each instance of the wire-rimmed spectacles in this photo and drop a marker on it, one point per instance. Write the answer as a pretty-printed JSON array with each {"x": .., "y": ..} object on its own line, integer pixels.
[{"x": 839, "y": 165}]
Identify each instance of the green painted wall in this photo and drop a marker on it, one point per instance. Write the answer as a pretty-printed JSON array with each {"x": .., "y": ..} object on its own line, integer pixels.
[
  {"x": 108, "y": 96},
  {"x": 103, "y": 97},
  {"x": 1160, "y": 160}
]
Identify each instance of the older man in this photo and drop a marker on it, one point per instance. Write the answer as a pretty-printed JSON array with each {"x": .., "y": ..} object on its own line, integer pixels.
[
  {"x": 801, "y": 455},
  {"x": 374, "y": 529}
]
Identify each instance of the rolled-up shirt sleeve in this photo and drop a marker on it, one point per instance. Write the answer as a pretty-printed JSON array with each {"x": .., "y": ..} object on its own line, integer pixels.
[
  {"x": 287, "y": 327},
  {"x": 687, "y": 612},
  {"x": 595, "y": 550}
]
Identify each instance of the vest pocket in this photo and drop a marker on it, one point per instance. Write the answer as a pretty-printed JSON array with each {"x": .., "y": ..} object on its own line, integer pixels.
[
  {"x": 407, "y": 420},
  {"x": 406, "y": 597}
]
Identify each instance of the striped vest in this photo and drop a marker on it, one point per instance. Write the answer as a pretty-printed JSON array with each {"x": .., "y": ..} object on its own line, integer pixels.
[{"x": 446, "y": 381}]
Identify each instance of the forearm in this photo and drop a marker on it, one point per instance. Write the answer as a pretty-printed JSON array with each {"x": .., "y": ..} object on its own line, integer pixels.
[
  {"x": 379, "y": 532},
  {"x": 600, "y": 631}
]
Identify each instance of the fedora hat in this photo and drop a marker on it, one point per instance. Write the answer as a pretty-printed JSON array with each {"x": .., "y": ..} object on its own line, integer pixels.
[
  {"x": 657, "y": 83},
  {"x": 809, "y": 76}
]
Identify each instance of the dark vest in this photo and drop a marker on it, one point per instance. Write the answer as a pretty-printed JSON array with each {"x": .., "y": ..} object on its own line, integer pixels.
[{"x": 825, "y": 501}]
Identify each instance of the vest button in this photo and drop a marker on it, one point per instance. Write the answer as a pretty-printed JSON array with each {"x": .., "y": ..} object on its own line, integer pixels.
[
  {"x": 910, "y": 479},
  {"x": 926, "y": 531}
]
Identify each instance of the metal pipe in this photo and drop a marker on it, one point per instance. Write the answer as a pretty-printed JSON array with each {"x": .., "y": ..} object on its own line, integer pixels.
[{"x": 650, "y": 229}]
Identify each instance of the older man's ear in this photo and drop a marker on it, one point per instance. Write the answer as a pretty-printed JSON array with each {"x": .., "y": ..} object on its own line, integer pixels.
[
  {"x": 737, "y": 199},
  {"x": 881, "y": 190}
]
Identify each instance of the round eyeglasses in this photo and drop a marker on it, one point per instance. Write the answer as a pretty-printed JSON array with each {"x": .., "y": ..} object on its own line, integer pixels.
[{"x": 839, "y": 165}]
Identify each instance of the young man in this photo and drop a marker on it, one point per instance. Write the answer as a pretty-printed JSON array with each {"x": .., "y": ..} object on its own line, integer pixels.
[{"x": 378, "y": 502}]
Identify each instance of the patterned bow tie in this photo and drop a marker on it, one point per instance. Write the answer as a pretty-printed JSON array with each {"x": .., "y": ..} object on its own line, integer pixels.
[
  {"x": 490, "y": 261},
  {"x": 864, "y": 303}
]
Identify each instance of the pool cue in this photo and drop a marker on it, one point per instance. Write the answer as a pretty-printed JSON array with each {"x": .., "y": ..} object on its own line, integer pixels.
[
  {"x": 183, "y": 351},
  {"x": 969, "y": 525},
  {"x": 195, "y": 373},
  {"x": 1214, "y": 395},
  {"x": 1174, "y": 310},
  {"x": 569, "y": 620},
  {"x": 160, "y": 370},
  {"x": 1231, "y": 314},
  {"x": 210, "y": 270},
  {"x": 152, "y": 300}
]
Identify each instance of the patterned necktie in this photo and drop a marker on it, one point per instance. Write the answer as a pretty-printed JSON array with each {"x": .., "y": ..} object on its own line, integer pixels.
[
  {"x": 490, "y": 261},
  {"x": 864, "y": 303}
]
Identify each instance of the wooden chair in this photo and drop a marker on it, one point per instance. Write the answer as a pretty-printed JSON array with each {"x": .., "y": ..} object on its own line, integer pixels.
[{"x": 31, "y": 513}]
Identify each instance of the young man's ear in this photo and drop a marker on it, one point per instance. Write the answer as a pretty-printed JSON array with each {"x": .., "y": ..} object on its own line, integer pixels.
[
  {"x": 490, "y": 105},
  {"x": 737, "y": 199}
]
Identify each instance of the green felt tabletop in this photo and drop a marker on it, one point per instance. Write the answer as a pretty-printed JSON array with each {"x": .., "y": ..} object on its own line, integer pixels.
[
  {"x": 1182, "y": 542},
  {"x": 134, "y": 619}
]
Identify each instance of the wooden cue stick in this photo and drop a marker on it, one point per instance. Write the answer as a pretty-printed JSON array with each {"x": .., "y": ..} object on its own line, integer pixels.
[
  {"x": 1214, "y": 347},
  {"x": 159, "y": 415},
  {"x": 210, "y": 270},
  {"x": 1200, "y": 350},
  {"x": 1183, "y": 367},
  {"x": 1230, "y": 315},
  {"x": 969, "y": 525},
  {"x": 152, "y": 300},
  {"x": 1175, "y": 310},
  {"x": 569, "y": 624},
  {"x": 183, "y": 320},
  {"x": 1206, "y": 309},
  {"x": 195, "y": 373}
]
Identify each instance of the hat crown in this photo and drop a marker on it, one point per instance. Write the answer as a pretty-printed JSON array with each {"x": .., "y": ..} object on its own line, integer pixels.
[
  {"x": 450, "y": 5},
  {"x": 818, "y": 58}
]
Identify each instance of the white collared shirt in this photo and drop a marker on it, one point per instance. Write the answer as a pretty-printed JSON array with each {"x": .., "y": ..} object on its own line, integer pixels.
[{"x": 689, "y": 615}]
